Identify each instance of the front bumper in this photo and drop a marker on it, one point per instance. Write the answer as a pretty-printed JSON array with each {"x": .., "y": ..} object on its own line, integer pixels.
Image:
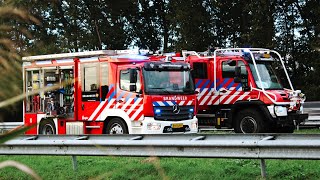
[
  {"x": 292, "y": 119},
  {"x": 163, "y": 127},
  {"x": 298, "y": 118}
]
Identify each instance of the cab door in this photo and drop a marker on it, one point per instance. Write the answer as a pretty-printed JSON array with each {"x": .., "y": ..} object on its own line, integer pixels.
[
  {"x": 229, "y": 90},
  {"x": 204, "y": 84},
  {"x": 89, "y": 75},
  {"x": 129, "y": 95}
]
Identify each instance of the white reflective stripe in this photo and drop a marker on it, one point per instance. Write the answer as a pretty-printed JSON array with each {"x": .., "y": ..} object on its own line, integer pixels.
[
  {"x": 60, "y": 61},
  {"x": 243, "y": 96},
  {"x": 181, "y": 103},
  {"x": 89, "y": 59},
  {"x": 160, "y": 103},
  {"x": 189, "y": 103},
  {"x": 127, "y": 104},
  {"x": 134, "y": 105},
  {"x": 96, "y": 110},
  {"x": 170, "y": 103},
  {"x": 43, "y": 62},
  {"x": 106, "y": 108},
  {"x": 212, "y": 98},
  {"x": 211, "y": 101},
  {"x": 232, "y": 97},
  {"x": 204, "y": 100},
  {"x": 223, "y": 97},
  {"x": 137, "y": 112},
  {"x": 204, "y": 91}
]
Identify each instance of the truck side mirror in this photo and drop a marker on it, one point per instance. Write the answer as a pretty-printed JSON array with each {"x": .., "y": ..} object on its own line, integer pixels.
[
  {"x": 133, "y": 75},
  {"x": 238, "y": 71},
  {"x": 237, "y": 74},
  {"x": 133, "y": 79}
]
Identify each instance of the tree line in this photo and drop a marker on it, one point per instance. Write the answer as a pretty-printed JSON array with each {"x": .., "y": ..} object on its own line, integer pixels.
[{"x": 291, "y": 27}]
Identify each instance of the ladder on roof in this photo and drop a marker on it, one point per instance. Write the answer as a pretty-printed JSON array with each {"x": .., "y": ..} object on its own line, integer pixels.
[{"x": 80, "y": 54}]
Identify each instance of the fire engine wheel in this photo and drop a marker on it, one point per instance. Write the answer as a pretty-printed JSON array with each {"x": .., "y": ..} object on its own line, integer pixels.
[
  {"x": 47, "y": 127},
  {"x": 249, "y": 121},
  {"x": 116, "y": 126}
]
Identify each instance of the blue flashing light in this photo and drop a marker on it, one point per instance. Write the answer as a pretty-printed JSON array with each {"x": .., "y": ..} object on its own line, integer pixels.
[
  {"x": 157, "y": 111},
  {"x": 191, "y": 110}
]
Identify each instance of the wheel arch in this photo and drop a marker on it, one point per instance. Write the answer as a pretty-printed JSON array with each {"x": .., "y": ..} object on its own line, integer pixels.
[
  {"x": 109, "y": 118},
  {"x": 116, "y": 113},
  {"x": 53, "y": 120},
  {"x": 241, "y": 105}
]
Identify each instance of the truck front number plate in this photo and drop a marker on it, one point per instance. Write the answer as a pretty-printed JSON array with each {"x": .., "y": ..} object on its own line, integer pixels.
[{"x": 177, "y": 125}]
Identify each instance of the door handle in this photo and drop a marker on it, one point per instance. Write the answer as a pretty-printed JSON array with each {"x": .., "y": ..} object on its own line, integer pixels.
[
  {"x": 82, "y": 106},
  {"x": 223, "y": 90}
]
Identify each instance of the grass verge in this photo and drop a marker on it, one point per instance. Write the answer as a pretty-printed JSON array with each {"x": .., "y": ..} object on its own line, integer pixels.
[{"x": 60, "y": 167}]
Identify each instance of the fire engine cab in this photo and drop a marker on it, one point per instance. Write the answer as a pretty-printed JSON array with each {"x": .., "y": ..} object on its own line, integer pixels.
[
  {"x": 107, "y": 92},
  {"x": 245, "y": 89}
]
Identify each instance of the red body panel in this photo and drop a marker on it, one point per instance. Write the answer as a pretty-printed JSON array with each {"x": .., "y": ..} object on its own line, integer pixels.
[{"x": 31, "y": 120}]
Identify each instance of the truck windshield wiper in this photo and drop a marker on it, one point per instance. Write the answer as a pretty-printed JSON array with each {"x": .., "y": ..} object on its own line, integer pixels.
[
  {"x": 157, "y": 88},
  {"x": 160, "y": 88}
]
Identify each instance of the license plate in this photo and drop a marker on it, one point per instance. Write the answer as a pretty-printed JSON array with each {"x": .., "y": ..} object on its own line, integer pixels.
[{"x": 177, "y": 125}]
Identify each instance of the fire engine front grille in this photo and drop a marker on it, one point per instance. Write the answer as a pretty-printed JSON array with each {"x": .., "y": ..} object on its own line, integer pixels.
[{"x": 167, "y": 113}]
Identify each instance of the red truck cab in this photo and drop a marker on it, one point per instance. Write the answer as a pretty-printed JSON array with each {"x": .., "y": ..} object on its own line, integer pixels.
[{"x": 241, "y": 88}]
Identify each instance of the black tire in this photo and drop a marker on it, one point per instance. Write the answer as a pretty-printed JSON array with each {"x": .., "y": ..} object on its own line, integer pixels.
[
  {"x": 47, "y": 127},
  {"x": 249, "y": 121},
  {"x": 116, "y": 126}
]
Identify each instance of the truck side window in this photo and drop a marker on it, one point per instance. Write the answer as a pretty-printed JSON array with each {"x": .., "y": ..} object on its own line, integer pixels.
[
  {"x": 125, "y": 80},
  {"x": 89, "y": 83},
  {"x": 228, "y": 69},
  {"x": 138, "y": 82},
  {"x": 199, "y": 71},
  {"x": 104, "y": 70}
]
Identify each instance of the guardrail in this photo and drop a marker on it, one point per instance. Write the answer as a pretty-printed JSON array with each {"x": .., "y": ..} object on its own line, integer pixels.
[
  {"x": 7, "y": 126},
  {"x": 313, "y": 109},
  {"x": 239, "y": 146}
]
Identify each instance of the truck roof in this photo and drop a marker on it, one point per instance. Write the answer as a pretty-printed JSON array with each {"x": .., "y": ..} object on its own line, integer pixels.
[{"x": 110, "y": 54}]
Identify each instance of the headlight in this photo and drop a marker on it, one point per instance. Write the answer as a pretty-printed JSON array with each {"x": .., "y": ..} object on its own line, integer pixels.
[
  {"x": 302, "y": 96},
  {"x": 280, "y": 111}
]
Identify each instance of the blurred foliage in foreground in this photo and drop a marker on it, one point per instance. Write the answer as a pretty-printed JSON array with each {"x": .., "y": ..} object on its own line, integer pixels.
[{"x": 14, "y": 32}]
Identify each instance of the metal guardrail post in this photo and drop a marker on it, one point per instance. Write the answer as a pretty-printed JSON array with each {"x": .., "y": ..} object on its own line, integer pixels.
[
  {"x": 263, "y": 169},
  {"x": 74, "y": 163}
]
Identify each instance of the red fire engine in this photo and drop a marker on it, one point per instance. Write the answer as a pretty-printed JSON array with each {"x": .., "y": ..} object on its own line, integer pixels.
[
  {"x": 239, "y": 88},
  {"x": 111, "y": 92}
]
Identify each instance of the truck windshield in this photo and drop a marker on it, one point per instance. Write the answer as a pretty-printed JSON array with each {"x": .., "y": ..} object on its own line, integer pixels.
[
  {"x": 269, "y": 79},
  {"x": 168, "y": 82}
]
